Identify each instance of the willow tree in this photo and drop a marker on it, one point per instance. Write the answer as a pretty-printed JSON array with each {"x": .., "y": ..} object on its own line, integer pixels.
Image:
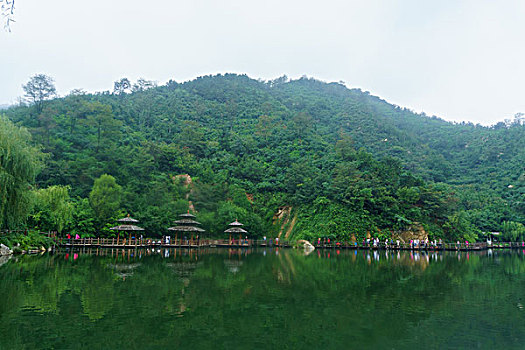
[
  {"x": 53, "y": 209},
  {"x": 19, "y": 164}
]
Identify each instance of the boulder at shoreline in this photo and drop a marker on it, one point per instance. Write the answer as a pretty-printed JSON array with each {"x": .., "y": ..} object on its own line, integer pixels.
[{"x": 5, "y": 250}]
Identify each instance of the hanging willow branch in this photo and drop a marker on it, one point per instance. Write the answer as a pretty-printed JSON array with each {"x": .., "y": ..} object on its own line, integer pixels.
[
  {"x": 19, "y": 164},
  {"x": 7, "y": 9}
]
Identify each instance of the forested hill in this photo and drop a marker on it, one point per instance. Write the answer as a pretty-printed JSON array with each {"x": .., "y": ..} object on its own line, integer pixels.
[{"x": 345, "y": 161}]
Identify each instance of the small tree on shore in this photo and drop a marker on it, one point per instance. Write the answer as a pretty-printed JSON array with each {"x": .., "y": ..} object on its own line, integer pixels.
[{"x": 105, "y": 198}]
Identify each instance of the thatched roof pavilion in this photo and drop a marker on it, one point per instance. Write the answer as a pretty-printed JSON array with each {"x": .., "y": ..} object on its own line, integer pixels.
[
  {"x": 186, "y": 224},
  {"x": 126, "y": 225},
  {"x": 127, "y": 219},
  {"x": 187, "y": 215},
  {"x": 235, "y": 227},
  {"x": 127, "y": 228},
  {"x": 186, "y": 229}
]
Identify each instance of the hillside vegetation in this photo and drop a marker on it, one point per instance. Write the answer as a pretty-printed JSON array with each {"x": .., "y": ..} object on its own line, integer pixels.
[{"x": 346, "y": 162}]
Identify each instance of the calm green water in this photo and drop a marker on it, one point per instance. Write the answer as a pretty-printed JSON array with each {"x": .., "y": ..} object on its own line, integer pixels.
[{"x": 264, "y": 299}]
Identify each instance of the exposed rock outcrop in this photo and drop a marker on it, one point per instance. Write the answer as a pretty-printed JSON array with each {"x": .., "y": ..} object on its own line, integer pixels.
[
  {"x": 186, "y": 181},
  {"x": 305, "y": 244},
  {"x": 284, "y": 217},
  {"x": 414, "y": 231}
]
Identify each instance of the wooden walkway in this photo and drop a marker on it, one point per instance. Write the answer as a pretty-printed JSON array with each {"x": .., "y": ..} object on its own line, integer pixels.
[
  {"x": 193, "y": 244},
  {"x": 152, "y": 243}
]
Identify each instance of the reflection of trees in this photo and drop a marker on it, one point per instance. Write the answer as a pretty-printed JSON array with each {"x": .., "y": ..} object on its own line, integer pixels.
[
  {"x": 271, "y": 300},
  {"x": 4, "y": 259}
]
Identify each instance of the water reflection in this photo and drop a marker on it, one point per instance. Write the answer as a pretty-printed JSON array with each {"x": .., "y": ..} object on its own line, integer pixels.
[
  {"x": 4, "y": 259},
  {"x": 246, "y": 298}
]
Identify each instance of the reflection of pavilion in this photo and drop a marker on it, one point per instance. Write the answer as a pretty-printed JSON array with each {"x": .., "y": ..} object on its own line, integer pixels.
[
  {"x": 124, "y": 270},
  {"x": 233, "y": 265},
  {"x": 183, "y": 269}
]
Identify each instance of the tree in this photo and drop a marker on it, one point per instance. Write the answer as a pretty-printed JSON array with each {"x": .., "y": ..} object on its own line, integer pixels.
[
  {"x": 192, "y": 138},
  {"x": 53, "y": 209},
  {"x": 38, "y": 89},
  {"x": 143, "y": 84},
  {"x": 302, "y": 124},
  {"x": 47, "y": 123},
  {"x": 19, "y": 164},
  {"x": 100, "y": 117},
  {"x": 121, "y": 86},
  {"x": 105, "y": 198},
  {"x": 265, "y": 125}
]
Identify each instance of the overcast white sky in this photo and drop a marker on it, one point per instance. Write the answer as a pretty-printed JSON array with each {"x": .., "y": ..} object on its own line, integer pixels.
[{"x": 459, "y": 60}]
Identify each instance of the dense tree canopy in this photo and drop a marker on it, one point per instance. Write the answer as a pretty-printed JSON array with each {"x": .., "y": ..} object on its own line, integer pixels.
[{"x": 346, "y": 162}]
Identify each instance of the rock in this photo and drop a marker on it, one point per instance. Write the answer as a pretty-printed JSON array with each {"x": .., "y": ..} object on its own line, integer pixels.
[
  {"x": 414, "y": 231},
  {"x": 305, "y": 244},
  {"x": 5, "y": 250}
]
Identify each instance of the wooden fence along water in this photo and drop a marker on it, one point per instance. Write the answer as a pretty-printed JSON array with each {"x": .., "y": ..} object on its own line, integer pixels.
[
  {"x": 248, "y": 243},
  {"x": 251, "y": 243}
]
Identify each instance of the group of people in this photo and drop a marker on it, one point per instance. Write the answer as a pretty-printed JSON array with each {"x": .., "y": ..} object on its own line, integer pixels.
[
  {"x": 77, "y": 236},
  {"x": 416, "y": 243},
  {"x": 375, "y": 242}
]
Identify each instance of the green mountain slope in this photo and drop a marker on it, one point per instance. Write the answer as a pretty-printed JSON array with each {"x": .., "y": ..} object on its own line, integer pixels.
[{"x": 346, "y": 161}]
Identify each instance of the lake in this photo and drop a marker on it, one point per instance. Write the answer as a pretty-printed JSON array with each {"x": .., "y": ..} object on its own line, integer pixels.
[{"x": 262, "y": 299}]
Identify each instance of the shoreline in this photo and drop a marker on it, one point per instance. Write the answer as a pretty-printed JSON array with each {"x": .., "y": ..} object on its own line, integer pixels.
[{"x": 191, "y": 244}]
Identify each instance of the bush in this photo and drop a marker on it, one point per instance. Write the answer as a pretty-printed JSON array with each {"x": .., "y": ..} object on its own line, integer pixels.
[{"x": 33, "y": 240}]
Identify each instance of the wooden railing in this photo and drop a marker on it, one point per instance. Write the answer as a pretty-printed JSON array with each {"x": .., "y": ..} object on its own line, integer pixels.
[
  {"x": 191, "y": 243},
  {"x": 152, "y": 242}
]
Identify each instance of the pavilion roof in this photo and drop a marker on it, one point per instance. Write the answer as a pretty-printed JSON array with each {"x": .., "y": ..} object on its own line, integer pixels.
[
  {"x": 186, "y": 229},
  {"x": 127, "y": 219},
  {"x": 186, "y": 222},
  {"x": 236, "y": 230},
  {"x": 127, "y": 228},
  {"x": 236, "y": 223}
]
